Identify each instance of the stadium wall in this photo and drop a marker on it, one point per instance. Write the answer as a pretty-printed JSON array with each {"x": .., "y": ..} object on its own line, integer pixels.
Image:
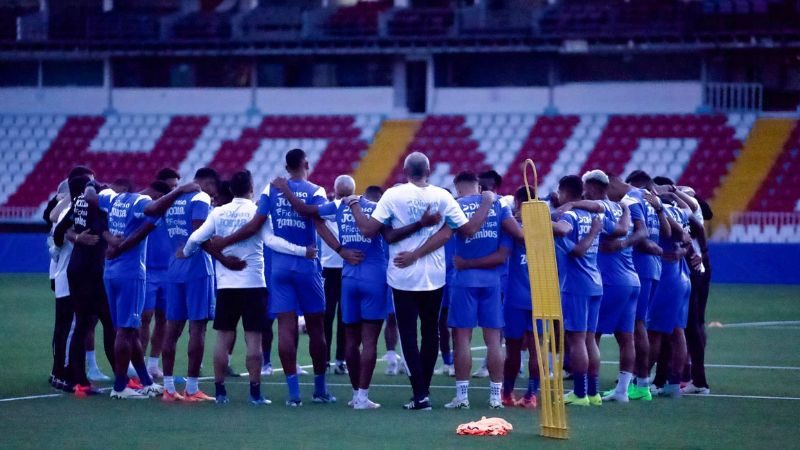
[
  {"x": 732, "y": 263},
  {"x": 573, "y": 98}
]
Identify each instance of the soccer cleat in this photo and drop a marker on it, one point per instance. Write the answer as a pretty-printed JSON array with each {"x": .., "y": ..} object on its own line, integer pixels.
[
  {"x": 457, "y": 403},
  {"x": 452, "y": 371},
  {"x": 94, "y": 374},
  {"x": 221, "y": 400},
  {"x": 572, "y": 399},
  {"x": 366, "y": 404},
  {"x": 198, "y": 396},
  {"x": 266, "y": 369},
  {"x": 614, "y": 396},
  {"x": 340, "y": 368},
  {"x": 127, "y": 394},
  {"x": 655, "y": 390},
  {"x": 323, "y": 398},
  {"x": 483, "y": 372},
  {"x": 691, "y": 389},
  {"x": 134, "y": 384},
  {"x": 595, "y": 400},
  {"x": 172, "y": 397},
  {"x": 640, "y": 393},
  {"x": 527, "y": 402},
  {"x": 229, "y": 372},
  {"x": 495, "y": 403},
  {"x": 422, "y": 405},
  {"x": 260, "y": 401},
  {"x": 392, "y": 368},
  {"x": 508, "y": 400},
  {"x": 294, "y": 403},
  {"x": 444, "y": 369},
  {"x": 670, "y": 390},
  {"x": 155, "y": 372},
  {"x": 301, "y": 371},
  {"x": 152, "y": 390},
  {"x": 85, "y": 391}
]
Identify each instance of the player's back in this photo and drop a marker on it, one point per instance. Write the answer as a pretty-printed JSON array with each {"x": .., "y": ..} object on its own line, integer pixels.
[
  {"x": 518, "y": 287},
  {"x": 289, "y": 225},
  {"x": 159, "y": 247},
  {"x": 617, "y": 267},
  {"x": 88, "y": 258},
  {"x": 179, "y": 219},
  {"x": 125, "y": 215},
  {"x": 647, "y": 265},
  {"x": 582, "y": 276},
  {"x": 373, "y": 267},
  {"x": 483, "y": 243}
]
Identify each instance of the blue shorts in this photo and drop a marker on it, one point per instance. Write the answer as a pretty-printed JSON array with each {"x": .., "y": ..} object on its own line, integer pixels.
[
  {"x": 363, "y": 300},
  {"x": 389, "y": 301},
  {"x": 155, "y": 294},
  {"x": 292, "y": 291},
  {"x": 125, "y": 301},
  {"x": 670, "y": 305},
  {"x": 191, "y": 299},
  {"x": 618, "y": 309},
  {"x": 472, "y": 307},
  {"x": 646, "y": 294},
  {"x": 580, "y": 312},
  {"x": 518, "y": 321}
]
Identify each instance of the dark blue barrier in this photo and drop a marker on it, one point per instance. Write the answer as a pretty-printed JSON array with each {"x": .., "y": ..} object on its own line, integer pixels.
[{"x": 731, "y": 263}]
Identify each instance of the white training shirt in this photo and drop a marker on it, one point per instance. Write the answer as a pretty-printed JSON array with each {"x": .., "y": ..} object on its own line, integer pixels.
[
  {"x": 403, "y": 205},
  {"x": 328, "y": 257},
  {"x": 224, "y": 221},
  {"x": 62, "y": 261}
]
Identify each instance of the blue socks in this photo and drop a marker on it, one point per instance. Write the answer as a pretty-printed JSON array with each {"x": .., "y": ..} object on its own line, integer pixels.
[
  {"x": 294, "y": 387},
  {"x": 319, "y": 385},
  {"x": 533, "y": 386},
  {"x": 220, "y": 389},
  {"x": 579, "y": 381},
  {"x": 144, "y": 376},
  {"x": 266, "y": 356},
  {"x": 120, "y": 383},
  {"x": 255, "y": 391},
  {"x": 508, "y": 385},
  {"x": 593, "y": 383},
  {"x": 447, "y": 358}
]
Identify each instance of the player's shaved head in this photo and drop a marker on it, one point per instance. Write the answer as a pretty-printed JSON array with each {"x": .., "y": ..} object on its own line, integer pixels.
[
  {"x": 344, "y": 185},
  {"x": 570, "y": 189},
  {"x": 373, "y": 193},
  {"x": 417, "y": 166}
]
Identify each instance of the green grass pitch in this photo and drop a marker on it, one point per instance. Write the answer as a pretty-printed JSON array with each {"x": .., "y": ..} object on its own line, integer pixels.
[{"x": 739, "y": 416}]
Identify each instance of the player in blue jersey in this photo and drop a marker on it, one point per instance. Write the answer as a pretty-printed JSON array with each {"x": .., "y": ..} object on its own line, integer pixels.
[
  {"x": 518, "y": 315},
  {"x": 475, "y": 291},
  {"x": 131, "y": 216},
  {"x": 159, "y": 251},
  {"x": 646, "y": 261},
  {"x": 581, "y": 293},
  {"x": 667, "y": 315},
  {"x": 620, "y": 280}
]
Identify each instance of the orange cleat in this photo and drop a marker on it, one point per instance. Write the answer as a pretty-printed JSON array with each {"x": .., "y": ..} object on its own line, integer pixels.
[
  {"x": 526, "y": 402},
  {"x": 134, "y": 384},
  {"x": 198, "y": 396},
  {"x": 508, "y": 400},
  {"x": 173, "y": 397}
]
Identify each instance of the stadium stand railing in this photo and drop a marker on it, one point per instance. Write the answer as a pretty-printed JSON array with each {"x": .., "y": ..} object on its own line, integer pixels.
[
  {"x": 734, "y": 96},
  {"x": 764, "y": 228}
]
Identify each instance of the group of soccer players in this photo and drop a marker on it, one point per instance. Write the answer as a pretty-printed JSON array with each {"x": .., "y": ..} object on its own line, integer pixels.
[{"x": 429, "y": 262}]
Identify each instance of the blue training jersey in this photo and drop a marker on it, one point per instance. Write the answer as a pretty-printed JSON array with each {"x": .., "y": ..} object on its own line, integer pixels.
[
  {"x": 373, "y": 267},
  {"x": 518, "y": 285},
  {"x": 670, "y": 244},
  {"x": 178, "y": 219},
  {"x": 617, "y": 268},
  {"x": 125, "y": 215},
  {"x": 159, "y": 247},
  {"x": 289, "y": 225},
  {"x": 483, "y": 243},
  {"x": 583, "y": 277},
  {"x": 449, "y": 252},
  {"x": 647, "y": 266}
]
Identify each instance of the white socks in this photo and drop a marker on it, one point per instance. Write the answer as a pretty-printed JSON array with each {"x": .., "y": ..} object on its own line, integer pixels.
[
  {"x": 643, "y": 382},
  {"x": 391, "y": 356},
  {"x": 191, "y": 385},
  {"x": 623, "y": 381},
  {"x": 229, "y": 359},
  {"x": 152, "y": 363},
  {"x": 363, "y": 395},
  {"x": 462, "y": 390},
  {"x": 91, "y": 360},
  {"x": 169, "y": 384},
  {"x": 494, "y": 390}
]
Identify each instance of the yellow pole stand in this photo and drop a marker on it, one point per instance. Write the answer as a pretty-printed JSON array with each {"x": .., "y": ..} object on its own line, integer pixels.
[{"x": 546, "y": 303}]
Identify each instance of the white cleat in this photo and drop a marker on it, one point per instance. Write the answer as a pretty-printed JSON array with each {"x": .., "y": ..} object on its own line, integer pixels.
[
  {"x": 153, "y": 390},
  {"x": 128, "y": 394},
  {"x": 483, "y": 372},
  {"x": 458, "y": 403},
  {"x": 366, "y": 404},
  {"x": 621, "y": 397},
  {"x": 155, "y": 372},
  {"x": 392, "y": 368},
  {"x": 266, "y": 370},
  {"x": 444, "y": 369},
  {"x": 691, "y": 389},
  {"x": 94, "y": 374},
  {"x": 495, "y": 403},
  {"x": 301, "y": 371},
  {"x": 452, "y": 371}
]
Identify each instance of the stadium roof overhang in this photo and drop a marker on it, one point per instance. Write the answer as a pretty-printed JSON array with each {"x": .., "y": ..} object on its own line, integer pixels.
[{"x": 663, "y": 43}]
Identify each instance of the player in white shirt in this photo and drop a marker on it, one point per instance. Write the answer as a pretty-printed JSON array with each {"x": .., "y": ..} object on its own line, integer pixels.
[{"x": 240, "y": 294}]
